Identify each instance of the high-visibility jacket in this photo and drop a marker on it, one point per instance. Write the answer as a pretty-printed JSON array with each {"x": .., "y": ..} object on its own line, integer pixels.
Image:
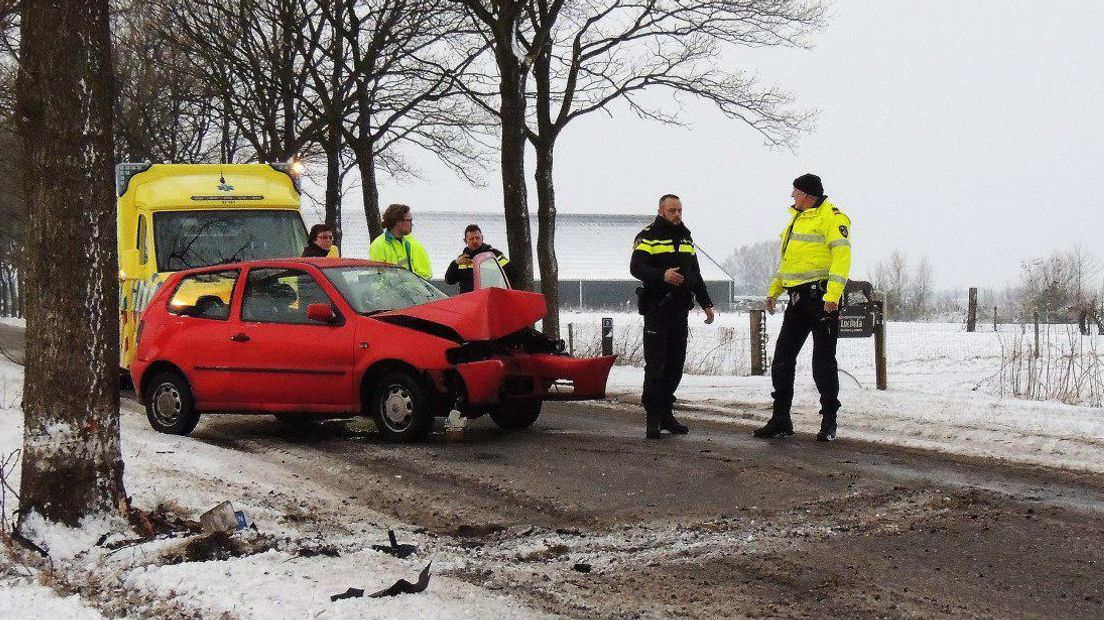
[
  {"x": 659, "y": 247},
  {"x": 816, "y": 245},
  {"x": 406, "y": 253}
]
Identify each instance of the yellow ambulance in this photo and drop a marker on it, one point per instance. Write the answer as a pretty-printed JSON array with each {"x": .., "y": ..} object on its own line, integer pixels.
[{"x": 179, "y": 216}]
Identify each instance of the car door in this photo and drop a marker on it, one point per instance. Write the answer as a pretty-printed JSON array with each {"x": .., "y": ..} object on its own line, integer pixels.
[
  {"x": 282, "y": 360},
  {"x": 488, "y": 272},
  {"x": 199, "y": 313}
]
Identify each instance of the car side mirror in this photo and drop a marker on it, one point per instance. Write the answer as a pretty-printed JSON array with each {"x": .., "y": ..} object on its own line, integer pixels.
[
  {"x": 322, "y": 313},
  {"x": 128, "y": 264}
]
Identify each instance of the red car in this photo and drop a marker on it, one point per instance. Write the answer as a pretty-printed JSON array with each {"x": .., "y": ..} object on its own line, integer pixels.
[{"x": 340, "y": 338}]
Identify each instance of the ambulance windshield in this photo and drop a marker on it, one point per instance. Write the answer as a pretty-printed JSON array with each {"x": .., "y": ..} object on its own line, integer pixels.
[{"x": 188, "y": 239}]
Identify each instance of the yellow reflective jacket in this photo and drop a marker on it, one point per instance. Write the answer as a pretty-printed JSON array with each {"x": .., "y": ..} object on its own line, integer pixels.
[
  {"x": 406, "y": 253},
  {"x": 816, "y": 245}
]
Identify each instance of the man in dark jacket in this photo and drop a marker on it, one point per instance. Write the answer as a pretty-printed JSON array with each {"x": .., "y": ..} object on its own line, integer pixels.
[
  {"x": 665, "y": 260},
  {"x": 321, "y": 242},
  {"x": 461, "y": 271}
]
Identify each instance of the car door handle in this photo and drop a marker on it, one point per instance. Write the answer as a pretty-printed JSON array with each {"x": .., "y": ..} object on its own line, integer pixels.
[{"x": 239, "y": 337}]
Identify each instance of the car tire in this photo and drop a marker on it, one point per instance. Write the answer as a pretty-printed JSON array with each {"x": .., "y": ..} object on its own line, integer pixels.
[
  {"x": 401, "y": 407},
  {"x": 170, "y": 406},
  {"x": 516, "y": 416}
]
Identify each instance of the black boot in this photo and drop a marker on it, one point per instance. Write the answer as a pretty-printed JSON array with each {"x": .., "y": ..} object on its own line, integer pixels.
[
  {"x": 673, "y": 426},
  {"x": 827, "y": 428},
  {"x": 775, "y": 427}
]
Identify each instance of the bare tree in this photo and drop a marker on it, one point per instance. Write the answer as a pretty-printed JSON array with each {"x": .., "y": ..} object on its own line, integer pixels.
[
  {"x": 163, "y": 112},
  {"x": 72, "y": 464},
  {"x": 752, "y": 267},
  {"x": 253, "y": 56},
  {"x": 892, "y": 277},
  {"x": 513, "y": 29},
  {"x": 1057, "y": 287},
  {"x": 909, "y": 291},
  {"x": 404, "y": 60},
  {"x": 601, "y": 52}
]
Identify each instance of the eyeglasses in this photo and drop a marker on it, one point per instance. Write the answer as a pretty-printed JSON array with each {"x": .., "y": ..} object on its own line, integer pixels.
[{"x": 325, "y": 236}]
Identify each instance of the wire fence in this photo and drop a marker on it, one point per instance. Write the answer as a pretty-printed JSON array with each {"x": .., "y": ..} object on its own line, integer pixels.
[{"x": 1003, "y": 359}]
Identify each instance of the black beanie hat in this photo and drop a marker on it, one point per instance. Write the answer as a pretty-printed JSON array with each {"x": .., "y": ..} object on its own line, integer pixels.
[{"x": 810, "y": 184}]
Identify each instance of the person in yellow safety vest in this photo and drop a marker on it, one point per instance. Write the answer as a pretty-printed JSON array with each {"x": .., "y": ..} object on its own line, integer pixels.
[
  {"x": 397, "y": 246},
  {"x": 815, "y": 260}
]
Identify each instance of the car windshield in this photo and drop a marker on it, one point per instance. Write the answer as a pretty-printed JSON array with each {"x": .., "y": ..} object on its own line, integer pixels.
[
  {"x": 188, "y": 239},
  {"x": 379, "y": 289}
]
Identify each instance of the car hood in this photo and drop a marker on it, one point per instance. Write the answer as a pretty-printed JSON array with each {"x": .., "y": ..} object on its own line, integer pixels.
[{"x": 480, "y": 315}]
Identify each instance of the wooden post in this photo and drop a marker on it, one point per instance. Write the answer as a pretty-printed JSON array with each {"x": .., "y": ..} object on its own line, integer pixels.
[
  {"x": 880, "y": 342},
  {"x": 994, "y": 318},
  {"x": 1036, "y": 334},
  {"x": 758, "y": 365},
  {"x": 607, "y": 336},
  {"x": 571, "y": 339},
  {"x": 971, "y": 312}
]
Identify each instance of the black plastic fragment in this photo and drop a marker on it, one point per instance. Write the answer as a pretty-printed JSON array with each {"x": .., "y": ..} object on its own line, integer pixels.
[
  {"x": 403, "y": 586},
  {"x": 350, "y": 593}
]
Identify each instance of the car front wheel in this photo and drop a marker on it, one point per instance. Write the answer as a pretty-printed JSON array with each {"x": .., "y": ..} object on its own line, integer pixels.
[
  {"x": 401, "y": 407},
  {"x": 169, "y": 404},
  {"x": 516, "y": 416}
]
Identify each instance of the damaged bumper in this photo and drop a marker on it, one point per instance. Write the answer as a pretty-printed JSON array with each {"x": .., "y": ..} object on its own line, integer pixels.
[{"x": 535, "y": 376}]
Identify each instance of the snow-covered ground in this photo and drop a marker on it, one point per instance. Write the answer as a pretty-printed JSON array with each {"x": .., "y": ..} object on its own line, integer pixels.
[
  {"x": 290, "y": 580},
  {"x": 945, "y": 394},
  {"x": 945, "y": 387}
]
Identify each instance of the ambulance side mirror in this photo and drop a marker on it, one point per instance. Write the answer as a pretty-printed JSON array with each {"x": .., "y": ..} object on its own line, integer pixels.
[{"x": 128, "y": 264}]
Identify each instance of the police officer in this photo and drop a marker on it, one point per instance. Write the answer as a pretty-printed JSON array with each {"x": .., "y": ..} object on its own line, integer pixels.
[
  {"x": 816, "y": 258},
  {"x": 665, "y": 260},
  {"x": 461, "y": 270}
]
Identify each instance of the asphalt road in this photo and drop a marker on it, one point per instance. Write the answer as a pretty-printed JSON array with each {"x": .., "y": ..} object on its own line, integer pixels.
[
  {"x": 788, "y": 527},
  {"x": 715, "y": 523}
]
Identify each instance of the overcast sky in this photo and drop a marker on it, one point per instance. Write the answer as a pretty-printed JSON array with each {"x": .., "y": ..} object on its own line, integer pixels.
[{"x": 969, "y": 132}]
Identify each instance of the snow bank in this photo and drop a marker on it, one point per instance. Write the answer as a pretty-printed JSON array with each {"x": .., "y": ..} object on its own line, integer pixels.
[
  {"x": 192, "y": 476},
  {"x": 25, "y": 599}
]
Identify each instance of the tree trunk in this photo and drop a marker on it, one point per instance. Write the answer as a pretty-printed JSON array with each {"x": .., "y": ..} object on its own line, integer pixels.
[
  {"x": 72, "y": 465},
  {"x": 20, "y": 293},
  {"x": 5, "y": 290},
  {"x": 546, "y": 237},
  {"x": 227, "y": 154},
  {"x": 514, "y": 197},
  {"x": 333, "y": 137},
  {"x": 333, "y": 187},
  {"x": 366, "y": 163},
  {"x": 287, "y": 80}
]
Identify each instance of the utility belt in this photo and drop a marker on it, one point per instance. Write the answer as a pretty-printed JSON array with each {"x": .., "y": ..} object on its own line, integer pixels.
[
  {"x": 813, "y": 290},
  {"x": 648, "y": 300}
]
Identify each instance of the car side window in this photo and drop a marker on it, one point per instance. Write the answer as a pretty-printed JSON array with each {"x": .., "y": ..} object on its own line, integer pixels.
[
  {"x": 281, "y": 296},
  {"x": 204, "y": 295}
]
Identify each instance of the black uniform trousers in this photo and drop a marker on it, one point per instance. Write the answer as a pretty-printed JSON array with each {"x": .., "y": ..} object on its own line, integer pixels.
[
  {"x": 665, "y": 334},
  {"x": 804, "y": 315}
]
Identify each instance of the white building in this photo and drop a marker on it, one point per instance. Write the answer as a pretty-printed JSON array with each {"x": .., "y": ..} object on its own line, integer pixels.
[{"x": 593, "y": 251}]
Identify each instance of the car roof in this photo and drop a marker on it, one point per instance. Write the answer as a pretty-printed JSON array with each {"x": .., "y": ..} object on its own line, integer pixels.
[{"x": 317, "y": 262}]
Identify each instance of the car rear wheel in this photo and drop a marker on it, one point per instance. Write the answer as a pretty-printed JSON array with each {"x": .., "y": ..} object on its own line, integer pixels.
[
  {"x": 401, "y": 407},
  {"x": 169, "y": 404},
  {"x": 516, "y": 416}
]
